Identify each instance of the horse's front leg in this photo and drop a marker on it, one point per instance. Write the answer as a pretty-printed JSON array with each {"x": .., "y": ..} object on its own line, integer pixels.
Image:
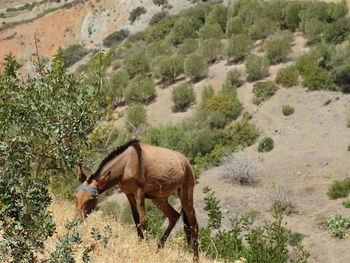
[
  {"x": 135, "y": 214},
  {"x": 140, "y": 199}
]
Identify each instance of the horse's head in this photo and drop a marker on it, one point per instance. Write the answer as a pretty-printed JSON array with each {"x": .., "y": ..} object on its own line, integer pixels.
[{"x": 87, "y": 193}]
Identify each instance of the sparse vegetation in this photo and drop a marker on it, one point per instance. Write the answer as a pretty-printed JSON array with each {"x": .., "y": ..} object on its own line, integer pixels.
[
  {"x": 339, "y": 189},
  {"x": 182, "y": 96},
  {"x": 73, "y": 54},
  {"x": 263, "y": 91},
  {"x": 287, "y": 110},
  {"x": 156, "y": 18},
  {"x": 346, "y": 203},
  {"x": 287, "y": 77},
  {"x": 116, "y": 37},
  {"x": 137, "y": 12},
  {"x": 265, "y": 145},
  {"x": 280, "y": 196},
  {"x": 256, "y": 67}
]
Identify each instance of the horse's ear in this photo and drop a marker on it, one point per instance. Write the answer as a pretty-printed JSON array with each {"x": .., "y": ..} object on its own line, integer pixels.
[
  {"x": 102, "y": 180},
  {"x": 80, "y": 174}
]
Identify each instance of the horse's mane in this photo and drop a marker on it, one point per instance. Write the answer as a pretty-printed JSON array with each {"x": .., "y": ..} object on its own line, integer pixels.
[{"x": 120, "y": 149}]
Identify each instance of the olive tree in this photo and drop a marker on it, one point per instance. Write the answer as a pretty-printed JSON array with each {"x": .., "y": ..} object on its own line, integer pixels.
[{"x": 196, "y": 66}]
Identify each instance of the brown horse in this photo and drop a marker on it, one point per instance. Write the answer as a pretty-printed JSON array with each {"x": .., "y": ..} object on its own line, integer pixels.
[{"x": 144, "y": 171}]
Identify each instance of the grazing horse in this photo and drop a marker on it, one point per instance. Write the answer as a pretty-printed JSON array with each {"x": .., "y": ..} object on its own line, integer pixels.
[{"x": 144, "y": 171}]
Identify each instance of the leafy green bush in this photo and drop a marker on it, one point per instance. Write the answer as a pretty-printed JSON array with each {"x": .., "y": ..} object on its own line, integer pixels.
[
  {"x": 182, "y": 30},
  {"x": 140, "y": 90},
  {"x": 196, "y": 66},
  {"x": 160, "y": 48},
  {"x": 277, "y": 50},
  {"x": 218, "y": 15},
  {"x": 262, "y": 28},
  {"x": 135, "y": 117},
  {"x": 226, "y": 104},
  {"x": 346, "y": 203},
  {"x": 263, "y": 91},
  {"x": 211, "y": 31},
  {"x": 319, "y": 79},
  {"x": 238, "y": 47},
  {"x": 338, "y": 226},
  {"x": 267, "y": 243},
  {"x": 182, "y": 96},
  {"x": 156, "y": 18},
  {"x": 313, "y": 29},
  {"x": 339, "y": 189},
  {"x": 216, "y": 120},
  {"x": 235, "y": 25},
  {"x": 136, "y": 62},
  {"x": 116, "y": 37},
  {"x": 211, "y": 49},
  {"x": 287, "y": 110},
  {"x": 160, "y": 30},
  {"x": 246, "y": 116},
  {"x": 256, "y": 67},
  {"x": 337, "y": 32},
  {"x": 188, "y": 46},
  {"x": 135, "y": 13},
  {"x": 114, "y": 88},
  {"x": 207, "y": 93},
  {"x": 306, "y": 64},
  {"x": 170, "y": 67},
  {"x": 47, "y": 110},
  {"x": 234, "y": 77},
  {"x": 73, "y": 54},
  {"x": 291, "y": 15},
  {"x": 265, "y": 145},
  {"x": 287, "y": 77}
]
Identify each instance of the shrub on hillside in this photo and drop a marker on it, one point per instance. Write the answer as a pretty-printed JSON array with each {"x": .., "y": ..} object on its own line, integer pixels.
[
  {"x": 229, "y": 105},
  {"x": 218, "y": 15},
  {"x": 182, "y": 96},
  {"x": 337, "y": 32},
  {"x": 256, "y": 67},
  {"x": 160, "y": 30},
  {"x": 114, "y": 88},
  {"x": 135, "y": 13},
  {"x": 238, "y": 47},
  {"x": 73, "y": 54},
  {"x": 216, "y": 120},
  {"x": 262, "y": 28},
  {"x": 156, "y": 18},
  {"x": 277, "y": 50},
  {"x": 287, "y": 77},
  {"x": 116, "y": 37},
  {"x": 306, "y": 64},
  {"x": 159, "y": 48},
  {"x": 160, "y": 2},
  {"x": 313, "y": 29},
  {"x": 211, "y": 49},
  {"x": 235, "y": 25},
  {"x": 188, "y": 46},
  {"x": 141, "y": 89},
  {"x": 235, "y": 77},
  {"x": 287, "y": 110},
  {"x": 265, "y": 145},
  {"x": 135, "y": 118},
  {"x": 138, "y": 36},
  {"x": 319, "y": 79},
  {"x": 211, "y": 31},
  {"x": 346, "y": 203},
  {"x": 196, "y": 66},
  {"x": 207, "y": 93},
  {"x": 136, "y": 62},
  {"x": 291, "y": 15},
  {"x": 263, "y": 91},
  {"x": 170, "y": 67},
  {"x": 182, "y": 30},
  {"x": 339, "y": 189},
  {"x": 338, "y": 226}
]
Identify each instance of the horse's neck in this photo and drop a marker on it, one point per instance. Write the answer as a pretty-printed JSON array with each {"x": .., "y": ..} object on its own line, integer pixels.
[{"x": 116, "y": 167}]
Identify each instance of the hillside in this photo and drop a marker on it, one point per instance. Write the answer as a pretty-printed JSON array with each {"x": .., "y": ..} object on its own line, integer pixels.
[{"x": 310, "y": 146}]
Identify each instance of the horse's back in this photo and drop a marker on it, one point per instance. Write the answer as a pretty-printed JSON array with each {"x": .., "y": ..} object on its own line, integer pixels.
[{"x": 164, "y": 169}]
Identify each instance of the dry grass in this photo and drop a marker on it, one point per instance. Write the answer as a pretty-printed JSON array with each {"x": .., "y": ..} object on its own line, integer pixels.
[{"x": 124, "y": 245}]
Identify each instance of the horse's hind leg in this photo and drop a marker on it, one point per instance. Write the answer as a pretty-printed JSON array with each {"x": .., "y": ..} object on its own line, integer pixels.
[
  {"x": 171, "y": 214},
  {"x": 135, "y": 214}
]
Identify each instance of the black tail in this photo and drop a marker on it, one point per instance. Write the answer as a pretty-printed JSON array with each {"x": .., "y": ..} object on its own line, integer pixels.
[{"x": 187, "y": 227}]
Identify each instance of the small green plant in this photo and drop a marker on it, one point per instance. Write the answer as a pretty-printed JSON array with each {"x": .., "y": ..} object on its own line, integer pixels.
[
  {"x": 339, "y": 189},
  {"x": 256, "y": 67},
  {"x": 136, "y": 118},
  {"x": 287, "y": 77},
  {"x": 287, "y": 110},
  {"x": 277, "y": 50},
  {"x": 207, "y": 93},
  {"x": 116, "y": 37},
  {"x": 263, "y": 91},
  {"x": 134, "y": 14},
  {"x": 226, "y": 104},
  {"x": 246, "y": 116},
  {"x": 182, "y": 96},
  {"x": 338, "y": 226},
  {"x": 346, "y": 203},
  {"x": 265, "y": 145}
]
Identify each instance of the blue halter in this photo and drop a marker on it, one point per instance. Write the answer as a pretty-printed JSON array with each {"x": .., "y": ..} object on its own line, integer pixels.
[{"x": 91, "y": 190}]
